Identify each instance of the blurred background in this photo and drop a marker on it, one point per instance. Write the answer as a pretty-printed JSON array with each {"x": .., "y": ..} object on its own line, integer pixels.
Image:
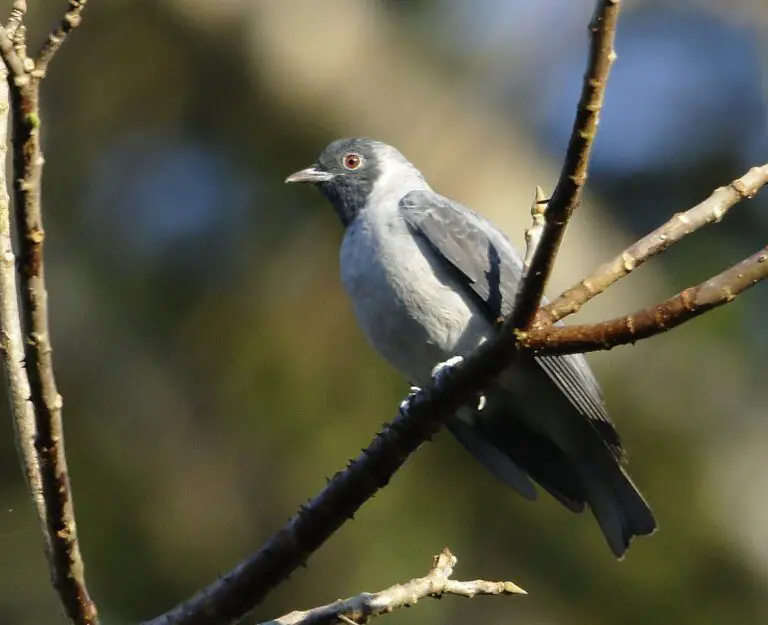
[{"x": 212, "y": 372}]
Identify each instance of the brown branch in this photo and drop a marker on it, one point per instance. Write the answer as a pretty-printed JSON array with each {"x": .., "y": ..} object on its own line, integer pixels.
[
  {"x": 711, "y": 210},
  {"x": 56, "y": 38},
  {"x": 11, "y": 340},
  {"x": 361, "y": 608},
  {"x": 63, "y": 549},
  {"x": 648, "y": 322},
  {"x": 573, "y": 175}
]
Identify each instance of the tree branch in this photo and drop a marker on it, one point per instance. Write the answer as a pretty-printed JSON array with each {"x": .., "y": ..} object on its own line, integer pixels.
[
  {"x": 573, "y": 175},
  {"x": 361, "y": 608},
  {"x": 648, "y": 322},
  {"x": 62, "y": 545},
  {"x": 18, "y": 11},
  {"x": 11, "y": 341},
  {"x": 711, "y": 210},
  {"x": 56, "y": 38}
]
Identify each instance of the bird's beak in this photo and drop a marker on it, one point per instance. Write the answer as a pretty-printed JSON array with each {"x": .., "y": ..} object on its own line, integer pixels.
[{"x": 310, "y": 174}]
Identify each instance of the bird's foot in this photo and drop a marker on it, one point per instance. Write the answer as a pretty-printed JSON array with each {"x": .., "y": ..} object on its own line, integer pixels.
[{"x": 441, "y": 368}]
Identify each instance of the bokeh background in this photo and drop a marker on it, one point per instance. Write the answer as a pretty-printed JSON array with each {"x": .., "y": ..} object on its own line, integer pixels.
[{"x": 211, "y": 368}]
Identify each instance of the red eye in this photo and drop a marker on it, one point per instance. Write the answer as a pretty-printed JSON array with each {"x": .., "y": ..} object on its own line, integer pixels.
[{"x": 352, "y": 161}]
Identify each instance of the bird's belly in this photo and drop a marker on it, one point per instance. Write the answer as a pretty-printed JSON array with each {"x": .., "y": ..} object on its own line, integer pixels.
[{"x": 408, "y": 309}]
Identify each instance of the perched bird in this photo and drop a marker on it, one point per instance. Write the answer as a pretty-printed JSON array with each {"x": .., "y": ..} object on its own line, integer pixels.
[{"x": 428, "y": 278}]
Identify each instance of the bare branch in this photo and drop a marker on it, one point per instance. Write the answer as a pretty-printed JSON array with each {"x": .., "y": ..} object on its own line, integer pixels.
[
  {"x": 14, "y": 62},
  {"x": 573, "y": 175},
  {"x": 711, "y": 210},
  {"x": 642, "y": 324},
  {"x": 361, "y": 608},
  {"x": 69, "y": 22},
  {"x": 18, "y": 11},
  {"x": 63, "y": 549},
  {"x": 11, "y": 341}
]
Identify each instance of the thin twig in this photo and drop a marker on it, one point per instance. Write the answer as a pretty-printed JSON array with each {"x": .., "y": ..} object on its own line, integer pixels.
[
  {"x": 361, "y": 608},
  {"x": 573, "y": 175},
  {"x": 14, "y": 63},
  {"x": 11, "y": 340},
  {"x": 63, "y": 548},
  {"x": 18, "y": 10},
  {"x": 711, "y": 210},
  {"x": 648, "y": 322},
  {"x": 69, "y": 22}
]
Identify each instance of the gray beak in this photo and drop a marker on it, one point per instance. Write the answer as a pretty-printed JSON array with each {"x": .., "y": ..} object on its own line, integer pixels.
[{"x": 310, "y": 174}]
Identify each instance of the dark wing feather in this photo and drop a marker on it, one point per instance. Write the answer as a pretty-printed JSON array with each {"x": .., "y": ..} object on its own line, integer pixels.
[{"x": 488, "y": 265}]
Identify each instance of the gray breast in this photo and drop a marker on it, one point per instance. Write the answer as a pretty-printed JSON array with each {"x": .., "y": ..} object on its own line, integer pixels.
[{"x": 406, "y": 305}]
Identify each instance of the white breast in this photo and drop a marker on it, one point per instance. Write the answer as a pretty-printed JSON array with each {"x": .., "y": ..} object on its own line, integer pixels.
[{"x": 410, "y": 310}]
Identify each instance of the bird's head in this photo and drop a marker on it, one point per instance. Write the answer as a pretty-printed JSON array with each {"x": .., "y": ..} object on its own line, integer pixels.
[{"x": 349, "y": 171}]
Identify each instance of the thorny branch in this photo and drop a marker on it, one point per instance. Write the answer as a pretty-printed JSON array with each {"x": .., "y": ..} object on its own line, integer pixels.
[
  {"x": 361, "y": 608},
  {"x": 47, "y": 471}
]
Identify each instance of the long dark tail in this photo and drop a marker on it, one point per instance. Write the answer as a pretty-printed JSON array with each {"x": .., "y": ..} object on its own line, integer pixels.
[
  {"x": 620, "y": 509},
  {"x": 596, "y": 479}
]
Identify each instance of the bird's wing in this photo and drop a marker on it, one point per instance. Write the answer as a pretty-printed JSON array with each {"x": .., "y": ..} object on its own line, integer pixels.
[{"x": 487, "y": 265}]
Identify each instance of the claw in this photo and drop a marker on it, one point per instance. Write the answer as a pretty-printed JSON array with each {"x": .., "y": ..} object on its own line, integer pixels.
[
  {"x": 441, "y": 368},
  {"x": 405, "y": 405}
]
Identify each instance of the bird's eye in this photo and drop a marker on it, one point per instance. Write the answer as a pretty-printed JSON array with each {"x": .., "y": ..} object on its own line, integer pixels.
[{"x": 352, "y": 161}]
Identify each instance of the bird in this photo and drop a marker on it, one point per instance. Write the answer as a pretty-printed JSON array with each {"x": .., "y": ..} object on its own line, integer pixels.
[{"x": 428, "y": 280}]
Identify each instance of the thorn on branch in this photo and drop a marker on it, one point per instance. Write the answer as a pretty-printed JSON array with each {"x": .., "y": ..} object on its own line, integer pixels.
[{"x": 533, "y": 234}]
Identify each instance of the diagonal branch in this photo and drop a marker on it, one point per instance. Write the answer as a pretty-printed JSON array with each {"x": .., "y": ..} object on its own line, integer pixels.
[
  {"x": 648, "y": 322},
  {"x": 56, "y": 38},
  {"x": 363, "y": 607},
  {"x": 711, "y": 210},
  {"x": 573, "y": 175}
]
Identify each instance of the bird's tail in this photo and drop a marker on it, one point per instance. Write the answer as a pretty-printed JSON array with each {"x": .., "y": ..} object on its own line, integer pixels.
[{"x": 620, "y": 509}]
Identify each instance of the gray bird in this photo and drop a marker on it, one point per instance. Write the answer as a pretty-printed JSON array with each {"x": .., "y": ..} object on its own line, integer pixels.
[{"x": 428, "y": 278}]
